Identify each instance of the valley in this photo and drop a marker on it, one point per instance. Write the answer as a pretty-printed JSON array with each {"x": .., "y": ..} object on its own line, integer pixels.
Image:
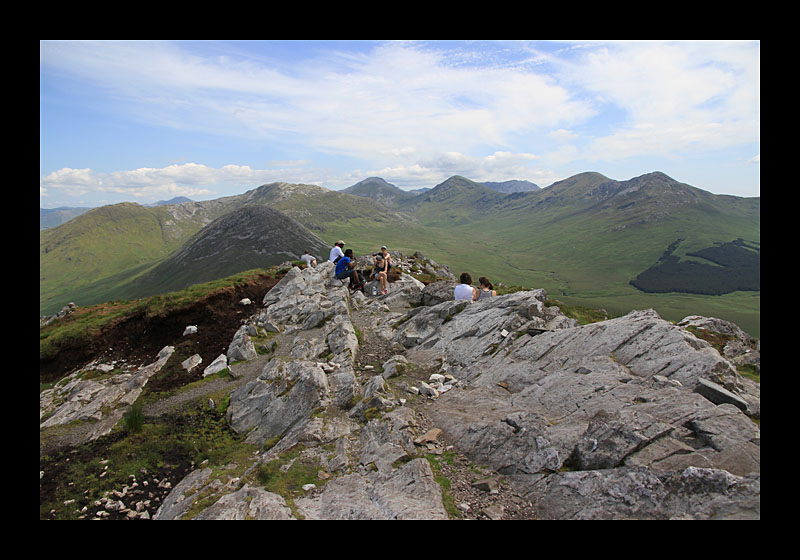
[{"x": 585, "y": 238}]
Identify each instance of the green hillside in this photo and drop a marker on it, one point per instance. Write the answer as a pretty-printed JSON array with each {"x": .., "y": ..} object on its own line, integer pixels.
[
  {"x": 96, "y": 245},
  {"x": 583, "y": 239},
  {"x": 248, "y": 238},
  {"x": 112, "y": 251}
]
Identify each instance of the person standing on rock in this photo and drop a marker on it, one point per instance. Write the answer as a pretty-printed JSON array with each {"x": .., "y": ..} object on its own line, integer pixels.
[
  {"x": 465, "y": 291},
  {"x": 336, "y": 252},
  {"x": 346, "y": 268},
  {"x": 387, "y": 257}
]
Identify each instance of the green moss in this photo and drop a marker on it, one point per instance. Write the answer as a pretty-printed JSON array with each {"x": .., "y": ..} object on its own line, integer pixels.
[
  {"x": 198, "y": 434},
  {"x": 287, "y": 475},
  {"x": 444, "y": 482}
]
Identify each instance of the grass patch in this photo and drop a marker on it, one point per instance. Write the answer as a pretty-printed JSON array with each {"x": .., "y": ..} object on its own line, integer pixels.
[
  {"x": 750, "y": 372},
  {"x": 87, "y": 472},
  {"x": 436, "y": 465},
  {"x": 133, "y": 419},
  {"x": 287, "y": 475},
  {"x": 584, "y": 315}
]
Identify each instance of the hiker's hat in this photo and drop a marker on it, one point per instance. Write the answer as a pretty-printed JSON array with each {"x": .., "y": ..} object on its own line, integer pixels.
[
  {"x": 383, "y": 246},
  {"x": 340, "y": 242}
]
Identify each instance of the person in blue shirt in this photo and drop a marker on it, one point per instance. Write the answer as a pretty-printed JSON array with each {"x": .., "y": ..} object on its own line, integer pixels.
[{"x": 346, "y": 268}]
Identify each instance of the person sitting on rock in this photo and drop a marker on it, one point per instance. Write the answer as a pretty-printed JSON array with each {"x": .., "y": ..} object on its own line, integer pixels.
[
  {"x": 309, "y": 259},
  {"x": 336, "y": 252},
  {"x": 465, "y": 291},
  {"x": 380, "y": 272},
  {"x": 486, "y": 290},
  {"x": 346, "y": 268}
]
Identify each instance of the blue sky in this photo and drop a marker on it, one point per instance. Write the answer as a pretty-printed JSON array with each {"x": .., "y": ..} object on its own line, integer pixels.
[{"x": 144, "y": 121}]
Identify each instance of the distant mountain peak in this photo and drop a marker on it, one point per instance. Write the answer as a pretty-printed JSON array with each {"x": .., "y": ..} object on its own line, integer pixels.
[
  {"x": 373, "y": 180},
  {"x": 511, "y": 186},
  {"x": 175, "y": 200},
  {"x": 253, "y": 236},
  {"x": 380, "y": 190},
  {"x": 657, "y": 175}
]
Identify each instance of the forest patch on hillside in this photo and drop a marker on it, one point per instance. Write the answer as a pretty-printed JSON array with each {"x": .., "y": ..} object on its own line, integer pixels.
[{"x": 733, "y": 266}]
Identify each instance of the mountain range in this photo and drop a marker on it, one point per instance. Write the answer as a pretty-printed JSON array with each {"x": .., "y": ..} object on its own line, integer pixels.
[{"x": 586, "y": 239}]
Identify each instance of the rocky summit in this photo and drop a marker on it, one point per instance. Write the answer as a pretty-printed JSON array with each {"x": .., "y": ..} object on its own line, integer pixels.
[{"x": 411, "y": 405}]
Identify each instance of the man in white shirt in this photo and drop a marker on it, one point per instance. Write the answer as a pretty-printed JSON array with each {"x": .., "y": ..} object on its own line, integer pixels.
[{"x": 336, "y": 252}]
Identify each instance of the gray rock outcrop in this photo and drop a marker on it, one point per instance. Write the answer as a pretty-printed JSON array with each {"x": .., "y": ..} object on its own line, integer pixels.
[
  {"x": 600, "y": 398},
  {"x": 285, "y": 394},
  {"x": 102, "y": 399},
  {"x": 611, "y": 420}
]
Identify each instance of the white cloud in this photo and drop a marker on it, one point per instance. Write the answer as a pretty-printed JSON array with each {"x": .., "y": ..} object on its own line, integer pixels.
[
  {"x": 149, "y": 183},
  {"x": 674, "y": 98},
  {"x": 399, "y": 152},
  {"x": 75, "y": 182},
  {"x": 562, "y": 135},
  {"x": 358, "y": 105},
  {"x": 416, "y": 114}
]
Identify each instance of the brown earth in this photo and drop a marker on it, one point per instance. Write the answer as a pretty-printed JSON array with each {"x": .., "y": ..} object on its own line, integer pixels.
[{"x": 137, "y": 339}]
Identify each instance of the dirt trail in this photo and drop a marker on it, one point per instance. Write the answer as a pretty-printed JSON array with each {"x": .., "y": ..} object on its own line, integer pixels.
[{"x": 245, "y": 371}]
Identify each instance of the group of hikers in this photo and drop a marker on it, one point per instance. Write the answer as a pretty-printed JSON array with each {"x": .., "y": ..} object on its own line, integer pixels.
[
  {"x": 466, "y": 291},
  {"x": 346, "y": 269}
]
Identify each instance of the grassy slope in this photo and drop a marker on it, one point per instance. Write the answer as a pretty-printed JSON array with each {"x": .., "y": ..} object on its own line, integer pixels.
[
  {"x": 101, "y": 255},
  {"x": 76, "y": 254},
  {"x": 533, "y": 241},
  {"x": 550, "y": 248}
]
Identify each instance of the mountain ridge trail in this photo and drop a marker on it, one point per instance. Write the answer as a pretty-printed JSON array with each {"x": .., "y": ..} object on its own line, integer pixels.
[{"x": 477, "y": 491}]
